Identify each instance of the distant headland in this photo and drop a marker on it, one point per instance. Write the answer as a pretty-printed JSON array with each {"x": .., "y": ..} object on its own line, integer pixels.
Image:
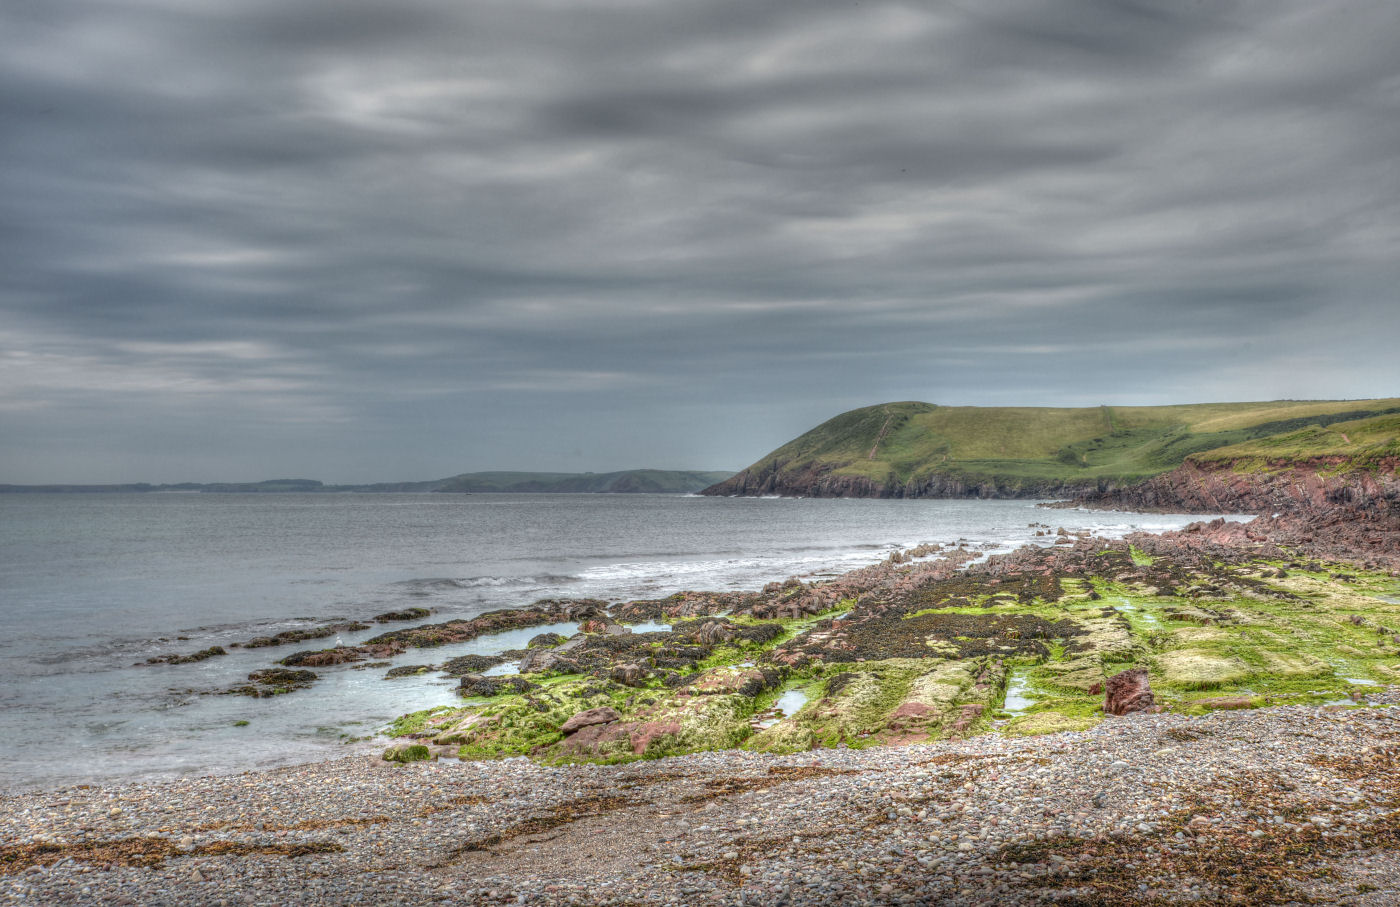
[{"x": 628, "y": 481}]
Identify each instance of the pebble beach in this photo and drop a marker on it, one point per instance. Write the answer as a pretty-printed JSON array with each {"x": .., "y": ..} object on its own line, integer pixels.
[{"x": 1278, "y": 805}]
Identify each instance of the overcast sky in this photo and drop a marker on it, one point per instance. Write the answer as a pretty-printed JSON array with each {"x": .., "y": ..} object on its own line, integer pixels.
[{"x": 400, "y": 239}]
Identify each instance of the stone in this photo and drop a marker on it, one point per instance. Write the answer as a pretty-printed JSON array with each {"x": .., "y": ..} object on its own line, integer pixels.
[
  {"x": 480, "y": 685},
  {"x": 407, "y": 671},
  {"x": 405, "y": 614},
  {"x": 470, "y": 664},
  {"x": 1127, "y": 692},
  {"x": 538, "y": 659},
  {"x": 631, "y": 675},
  {"x": 601, "y": 715},
  {"x": 713, "y": 633},
  {"x": 407, "y": 752}
]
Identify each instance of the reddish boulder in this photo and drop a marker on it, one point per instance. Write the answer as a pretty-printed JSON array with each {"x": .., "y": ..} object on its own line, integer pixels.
[
  {"x": 323, "y": 659},
  {"x": 601, "y": 715},
  {"x": 1128, "y": 692},
  {"x": 714, "y": 633}
]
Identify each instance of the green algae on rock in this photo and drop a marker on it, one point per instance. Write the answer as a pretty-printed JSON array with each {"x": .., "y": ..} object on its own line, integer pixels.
[
  {"x": 407, "y": 752},
  {"x": 911, "y": 651}
]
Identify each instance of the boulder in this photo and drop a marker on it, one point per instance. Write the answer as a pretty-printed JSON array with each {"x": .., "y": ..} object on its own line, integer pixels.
[
  {"x": 187, "y": 659},
  {"x": 545, "y": 641},
  {"x": 324, "y": 658},
  {"x": 537, "y": 660},
  {"x": 405, "y": 614},
  {"x": 471, "y": 664},
  {"x": 479, "y": 685},
  {"x": 407, "y": 752},
  {"x": 407, "y": 671},
  {"x": 274, "y": 682},
  {"x": 1127, "y": 692},
  {"x": 282, "y": 677},
  {"x": 713, "y": 633},
  {"x": 601, "y": 715},
  {"x": 631, "y": 675}
]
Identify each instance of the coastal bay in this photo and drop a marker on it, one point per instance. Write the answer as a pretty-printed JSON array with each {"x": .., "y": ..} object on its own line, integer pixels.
[
  {"x": 1262, "y": 786},
  {"x": 96, "y": 587},
  {"x": 946, "y": 722}
]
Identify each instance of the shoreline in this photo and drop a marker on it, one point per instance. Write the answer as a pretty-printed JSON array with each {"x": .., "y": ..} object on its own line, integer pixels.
[
  {"x": 1248, "y": 801},
  {"x": 1259, "y": 806},
  {"x": 187, "y": 671}
]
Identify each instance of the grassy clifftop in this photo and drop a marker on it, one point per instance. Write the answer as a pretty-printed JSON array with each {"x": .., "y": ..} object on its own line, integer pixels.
[
  {"x": 1355, "y": 444},
  {"x": 912, "y": 449}
]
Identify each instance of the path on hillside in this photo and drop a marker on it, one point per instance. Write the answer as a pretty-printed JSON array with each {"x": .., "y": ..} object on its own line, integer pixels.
[{"x": 880, "y": 436}]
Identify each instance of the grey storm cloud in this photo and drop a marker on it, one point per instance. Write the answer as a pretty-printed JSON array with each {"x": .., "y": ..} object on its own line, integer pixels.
[{"x": 367, "y": 240}]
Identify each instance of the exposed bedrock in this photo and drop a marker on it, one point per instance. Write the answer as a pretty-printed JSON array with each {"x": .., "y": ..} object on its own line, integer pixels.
[{"x": 1319, "y": 486}]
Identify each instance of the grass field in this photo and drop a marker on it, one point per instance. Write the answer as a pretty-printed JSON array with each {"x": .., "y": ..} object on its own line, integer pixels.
[{"x": 910, "y": 441}]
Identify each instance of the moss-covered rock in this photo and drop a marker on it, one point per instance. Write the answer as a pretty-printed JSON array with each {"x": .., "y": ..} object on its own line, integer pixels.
[
  {"x": 1109, "y": 636},
  {"x": 1197, "y": 669},
  {"x": 407, "y": 752},
  {"x": 1083, "y": 674},
  {"x": 1295, "y": 664},
  {"x": 1049, "y": 722}
]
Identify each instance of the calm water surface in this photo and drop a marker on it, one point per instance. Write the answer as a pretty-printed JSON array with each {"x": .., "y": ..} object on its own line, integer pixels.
[{"x": 92, "y": 584}]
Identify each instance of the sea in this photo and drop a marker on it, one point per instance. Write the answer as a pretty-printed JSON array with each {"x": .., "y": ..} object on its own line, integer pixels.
[{"x": 92, "y": 585}]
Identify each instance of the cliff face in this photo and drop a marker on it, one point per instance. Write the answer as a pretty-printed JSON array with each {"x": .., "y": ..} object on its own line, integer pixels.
[
  {"x": 1317, "y": 485},
  {"x": 775, "y": 478},
  {"x": 1323, "y": 507}
]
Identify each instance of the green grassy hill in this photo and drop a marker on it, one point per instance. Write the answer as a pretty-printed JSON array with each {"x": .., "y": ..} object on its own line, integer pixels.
[
  {"x": 650, "y": 481},
  {"x": 1357, "y": 444},
  {"x": 915, "y": 449}
]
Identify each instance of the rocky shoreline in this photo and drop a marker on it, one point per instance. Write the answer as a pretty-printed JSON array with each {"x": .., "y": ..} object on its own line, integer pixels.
[
  {"x": 1269, "y": 806},
  {"x": 954, "y": 746}
]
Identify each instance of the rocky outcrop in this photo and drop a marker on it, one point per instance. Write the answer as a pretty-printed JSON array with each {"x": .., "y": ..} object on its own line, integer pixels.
[
  {"x": 474, "y": 685},
  {"x": 273, "y": 682},
  {"x": 1316, "y": 486},
  {"x": 471, "y": 664},
  {"x": 406, "y": 614},
  {"x": 407, "y": 671},
  {"x": 290, "y": 636},
  {"x": 186, "y": 659},
  {"x": 407, "y": 752},
  {"x": 601, "y": 715},
  {"x": 1317, "y": 507},
  {"x": 396, "y": 642},
  {"x": 629, "y": 675}
]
